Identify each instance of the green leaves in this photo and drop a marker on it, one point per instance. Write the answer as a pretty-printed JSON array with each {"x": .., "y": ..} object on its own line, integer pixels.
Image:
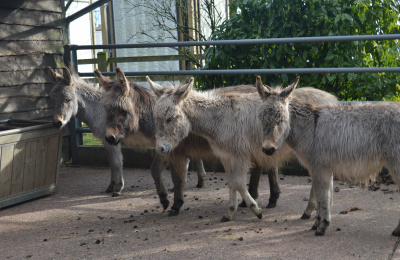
[{"x": 256, "y": 19}]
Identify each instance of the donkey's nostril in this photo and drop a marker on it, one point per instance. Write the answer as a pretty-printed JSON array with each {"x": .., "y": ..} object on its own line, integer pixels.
[
  {"x": 162, "y": 149},
  {"x": 269, "y": 151},
  {"x": 57, "y": 124},
  {"x": 111, "y": 140}
]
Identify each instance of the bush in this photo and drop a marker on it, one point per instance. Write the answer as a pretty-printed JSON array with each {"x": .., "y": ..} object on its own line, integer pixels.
[{"x": 256, "y": 19}]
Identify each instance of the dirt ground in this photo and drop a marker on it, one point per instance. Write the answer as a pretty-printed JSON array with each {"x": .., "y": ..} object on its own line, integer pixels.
[{"x": 82, "y": 222}]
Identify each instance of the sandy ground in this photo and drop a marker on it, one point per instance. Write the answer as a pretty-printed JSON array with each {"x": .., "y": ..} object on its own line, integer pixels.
[{"x": 82, "y": 222}]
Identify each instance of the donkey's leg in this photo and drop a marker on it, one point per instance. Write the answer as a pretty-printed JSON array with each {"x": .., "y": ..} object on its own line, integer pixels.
[
  {"x": 255, "y": 174},
  {"x": 393, "y": 165},
  {"x": 312, "y": 204},
  {"x": 115, "y": 159},
  {"x": 157, "y": 166},
  {"x": 232, "y": 192},
  {"x": 201, "y": 172},
  {"x": 178, "y": 168},
  {"x": 323, "y": 192},
  {"x": 273, "y": 186},
  {"x": 238, "y": 183}
]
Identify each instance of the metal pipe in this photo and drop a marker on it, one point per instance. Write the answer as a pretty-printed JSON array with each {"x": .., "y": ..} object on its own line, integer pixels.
[
  {"x": 244, "y": 42},
  {"x": 85, "y": 10},
  {"x": 255, "y": 71}
]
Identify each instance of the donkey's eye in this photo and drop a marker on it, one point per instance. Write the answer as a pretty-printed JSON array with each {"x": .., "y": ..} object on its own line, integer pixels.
[
  {"x": 169, "y": 120},
  {"x": 67, "y": 100}
]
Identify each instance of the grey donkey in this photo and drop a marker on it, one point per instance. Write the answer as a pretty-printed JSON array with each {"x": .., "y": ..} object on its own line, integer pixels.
[
  {"x": 352, "y": 142},
  {"x": 230, "y": 126},
  {"x": 73, "y": 96},
  {"x": 129, "y": 109}
]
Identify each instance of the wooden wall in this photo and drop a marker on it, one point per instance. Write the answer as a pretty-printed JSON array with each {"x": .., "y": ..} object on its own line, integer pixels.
[{"x": 31, "y": 39}]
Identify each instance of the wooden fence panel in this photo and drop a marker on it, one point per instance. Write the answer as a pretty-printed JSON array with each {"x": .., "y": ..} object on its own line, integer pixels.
[
  {"x": 51, "y": 160},
  {"x": 26, "y": 32},
  {"x": 40, "y": 167},
  {"x": 24, "y": 47},
  {"x": 29, "y": 165},
  {"x": 7, "y": 153},
  {"x": 17, "y": 176},
  {"x": 40, "y": 5},
  {"x": 27, "y": 62}
]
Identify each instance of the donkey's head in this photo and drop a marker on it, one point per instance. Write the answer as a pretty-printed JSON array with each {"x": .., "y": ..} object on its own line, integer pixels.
[
  {"x": 274, "y": 115},
  {"x": 119, "y": 103},
  {"x": 172, "y": 125},
  {"x": 64, "y": 95}
]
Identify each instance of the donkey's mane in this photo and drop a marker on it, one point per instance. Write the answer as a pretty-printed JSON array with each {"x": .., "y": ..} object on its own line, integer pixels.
[
  {"x": 143, "y": 93},
  {"x": 85, "y": 88}
]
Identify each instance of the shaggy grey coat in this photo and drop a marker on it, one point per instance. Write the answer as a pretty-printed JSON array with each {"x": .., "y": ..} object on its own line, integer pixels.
[
  {"x": 351, "y": 141},
  {"x": 129, "y": 113},
  {"x": 229, "y": 124}
]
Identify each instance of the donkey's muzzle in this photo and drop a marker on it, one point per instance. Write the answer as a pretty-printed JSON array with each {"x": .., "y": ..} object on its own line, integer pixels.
[
  {"x": 269, "y": 151},
  {"x": 58, "y": 124},
  {"x": 112, "y": 140}
]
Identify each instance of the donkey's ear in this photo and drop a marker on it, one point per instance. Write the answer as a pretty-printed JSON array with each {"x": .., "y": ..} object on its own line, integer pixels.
[
  {"x": 105, "y": 82},
  {"x": 289, "y": 89},
  {"x": 54, "y": 76},
  {"x": 157, "y": 89},
  {"x": 67, "y": 75},
  {"x": 122, "y": 81},
  {"x": 263, "y": 91},
  {"x": 183, "y": 90}
]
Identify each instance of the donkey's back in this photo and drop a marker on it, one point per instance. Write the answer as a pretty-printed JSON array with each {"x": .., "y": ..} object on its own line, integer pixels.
[{"x": 361, "y": 140}]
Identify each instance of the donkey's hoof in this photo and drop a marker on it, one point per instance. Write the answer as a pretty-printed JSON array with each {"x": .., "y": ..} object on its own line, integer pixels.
[
  {"x": 200, "y": 185},
  {"x": 165, "y": 204},
  {"x": 319, "y": 233},
  {"x": 305, "y": 216},
  {"x": 271, "y": 205},
  {"x": 314, "y": 227},
  {"x": 225, "y": 219},
  {"x": 243, "y": 204},
  {"x": 173, "y": 212},
  {"x": 396, "y": 233},
  {"x": 116, "y": 194},
  {"x": 259, "y": 216}
]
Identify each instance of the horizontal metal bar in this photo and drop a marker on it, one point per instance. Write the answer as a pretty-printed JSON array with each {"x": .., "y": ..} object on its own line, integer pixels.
[
  {"x": 255, "y": 71},
  {"x": 85, "y": 10},
  {"x": 83, "y": 130},
  {"x": 243, "y": 42}
]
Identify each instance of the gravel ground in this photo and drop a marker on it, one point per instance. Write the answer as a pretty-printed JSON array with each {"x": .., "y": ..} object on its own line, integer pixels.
[{"x": 82, "y": 222}]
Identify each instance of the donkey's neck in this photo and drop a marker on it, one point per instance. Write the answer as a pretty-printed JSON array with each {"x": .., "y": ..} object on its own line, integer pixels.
[
  {"x": 211, "y": 115},
  {"x": 303, "y": 120},
  {"x": 90, "y": 109}
]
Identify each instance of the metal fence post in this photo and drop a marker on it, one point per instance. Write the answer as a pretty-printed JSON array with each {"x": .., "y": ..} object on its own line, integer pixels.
[{"x": 75, "y": 139}]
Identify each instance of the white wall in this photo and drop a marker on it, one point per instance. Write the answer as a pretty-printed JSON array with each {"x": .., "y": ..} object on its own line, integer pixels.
[
  {"x": 129, "y": 22},
  {"x": 80, "y": 33}
]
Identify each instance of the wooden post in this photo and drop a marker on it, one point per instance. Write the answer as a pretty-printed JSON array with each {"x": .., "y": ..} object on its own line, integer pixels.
[{"x": 102, "y": 58}]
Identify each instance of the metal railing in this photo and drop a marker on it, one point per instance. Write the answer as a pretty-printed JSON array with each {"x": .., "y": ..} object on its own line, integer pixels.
[
  {"x": 71, "y": 57},
  {"x": 72, "y": 49}
]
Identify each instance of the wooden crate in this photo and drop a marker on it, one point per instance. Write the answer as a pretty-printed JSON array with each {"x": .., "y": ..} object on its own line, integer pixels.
[{"x": 30, "y": 153}]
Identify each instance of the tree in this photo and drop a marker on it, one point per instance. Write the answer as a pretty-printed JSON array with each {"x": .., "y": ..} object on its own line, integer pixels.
[
  {"x": 304, "y": 18},
  {"x": 180, "y": 20}
]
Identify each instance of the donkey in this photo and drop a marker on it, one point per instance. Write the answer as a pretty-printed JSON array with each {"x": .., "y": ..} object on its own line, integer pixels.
[
  {"x": 72, "y": 96},
  {"x": 351, "y": 141},
  {"x": 129, "y": 109},
  {"x": 230, "y": 126}
]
